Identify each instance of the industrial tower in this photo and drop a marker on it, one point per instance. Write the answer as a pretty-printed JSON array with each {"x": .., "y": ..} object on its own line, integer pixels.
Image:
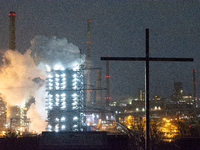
[
  {"x": 12, "y": 31},
  {"x": 64, "y": 101}
]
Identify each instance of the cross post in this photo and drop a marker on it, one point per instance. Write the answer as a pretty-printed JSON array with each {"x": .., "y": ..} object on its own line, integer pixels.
[{"x": 146, "y": 59}]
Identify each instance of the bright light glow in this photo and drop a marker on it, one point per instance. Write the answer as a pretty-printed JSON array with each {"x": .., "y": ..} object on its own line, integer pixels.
[
  {"x": 74, "y": 107},
  {"x": 63, "y": 75},
  {"x": 75, "y": 87},
  {"x": 63, "y": 99},
  {"x": 74, "y": 99},
  {"x": 137, "y": 109},
  {"x": 48, "y": 68},
  {"x": 75, "y": 118},
  {"x": 75, "y": 103},
  {"x": 57, "y": 75},
  {"x": 63, "y": 127},
  {"x": 57, "y": 95},
  {"x": 75, "y": 79},
  {"x": 58, "y": 67},
  {"x": 76, "y": 67},
  {"x": 57, "y": 119},
  {"x": 63, "y": 104},
  {"x": 63, "y": 119},
  {"x": 142, "y": 109},
  {"x": 49, "y": 126},
  {"x": 63, "y": 83},
  {"x": 63, "y": 94},
  {"x": 63, "y": 107},
  {"x": 74, "y": 95},
  {"x": 74, "y": 75},
  {"x": 50, "y": 76},
  {"x": 75, "y": 126},
  {"x": 63, "y": 87}
]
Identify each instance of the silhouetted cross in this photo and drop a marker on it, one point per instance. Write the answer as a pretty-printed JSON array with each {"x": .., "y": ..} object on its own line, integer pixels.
[{"x": 146, "y": 59}]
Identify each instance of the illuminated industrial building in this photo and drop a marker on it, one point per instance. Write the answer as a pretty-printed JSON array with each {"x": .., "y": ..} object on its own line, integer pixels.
[
  {"x": 64, "y": 101},
  {"x": 3, "y": 112}
]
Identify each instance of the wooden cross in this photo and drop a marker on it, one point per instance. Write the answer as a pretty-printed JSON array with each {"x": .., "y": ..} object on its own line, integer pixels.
[{"x": 146, "y": 59}]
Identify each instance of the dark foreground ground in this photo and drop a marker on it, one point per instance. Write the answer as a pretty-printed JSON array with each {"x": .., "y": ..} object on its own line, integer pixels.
[{"x": 89, "y": 141}]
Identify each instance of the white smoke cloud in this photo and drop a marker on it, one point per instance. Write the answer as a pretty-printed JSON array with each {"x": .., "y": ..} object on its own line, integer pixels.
[
  {"x": 53, "y": 51},
  {"x": 37, "y": 112},
  {"x": 23, "y": 75},
  {"x": 17, "y": 76}
]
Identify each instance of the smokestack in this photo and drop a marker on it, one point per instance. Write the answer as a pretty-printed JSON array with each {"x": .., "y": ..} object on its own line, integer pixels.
[
  {"x": 88, "y": 100},
  {"x": 12, "y": 31},
  {"x": 194, "y": 88},
  {"x": 107, "y": 83},
  {"x": 98, "y": 85}
]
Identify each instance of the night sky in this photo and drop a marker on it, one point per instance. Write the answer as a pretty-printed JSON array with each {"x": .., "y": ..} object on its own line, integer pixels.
[{"x": 117, "y": 29}]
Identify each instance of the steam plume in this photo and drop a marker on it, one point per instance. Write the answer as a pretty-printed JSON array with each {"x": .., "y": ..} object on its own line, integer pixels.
[
  {"x": 53, "y": 51},
  {"x": 23, "y": 75}
]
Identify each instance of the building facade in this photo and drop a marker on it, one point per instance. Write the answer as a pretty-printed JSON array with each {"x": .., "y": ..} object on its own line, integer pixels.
[{"x": 64, "y": 101}]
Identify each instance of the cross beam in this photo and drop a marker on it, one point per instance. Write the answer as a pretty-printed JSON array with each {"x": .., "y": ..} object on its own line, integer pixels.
[{"x": 146, "y": 59}]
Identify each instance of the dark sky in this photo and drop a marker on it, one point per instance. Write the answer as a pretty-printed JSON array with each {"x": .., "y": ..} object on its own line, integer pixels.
[{"x": 117, "y": 29}]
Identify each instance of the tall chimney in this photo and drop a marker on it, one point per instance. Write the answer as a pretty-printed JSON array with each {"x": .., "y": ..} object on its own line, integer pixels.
[
  {"x": 12, "y": 31},
  {"x": 107, "y": 83},
  {"x": 88, "y": 100},
  {"x": 98, "y": 85},
  {"x": 194, "y": 88}
]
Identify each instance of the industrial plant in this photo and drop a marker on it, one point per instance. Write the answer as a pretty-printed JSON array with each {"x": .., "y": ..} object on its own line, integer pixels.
[
  {"x": 76, "y": 110},
  {"x": 65, "y": 100}
]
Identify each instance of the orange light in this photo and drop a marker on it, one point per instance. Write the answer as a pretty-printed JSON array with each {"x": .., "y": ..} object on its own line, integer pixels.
[
  {"x": 107, "y": 97},
  {"x": 107, "y": 76},
  {"x": 90, "y": 89},
  {"x": 89, "y": 20},
  {"x": 88, "y": 42}
]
